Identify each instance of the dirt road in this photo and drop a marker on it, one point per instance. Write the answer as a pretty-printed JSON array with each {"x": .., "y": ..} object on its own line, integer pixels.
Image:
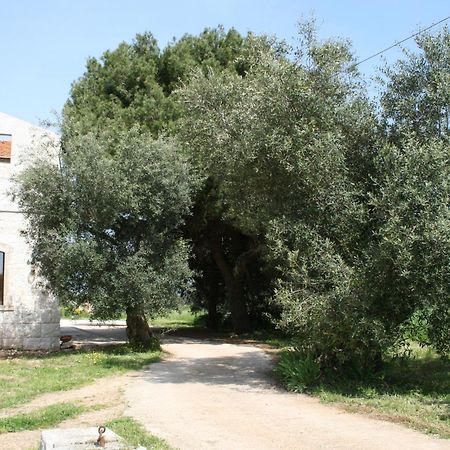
[{"x": 216, "y": 395}]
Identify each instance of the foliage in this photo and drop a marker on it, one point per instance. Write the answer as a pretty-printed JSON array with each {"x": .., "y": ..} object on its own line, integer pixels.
[
  {"x": 287, "y": 145},
  {"x": 321, "y": 301},
  {"x": 104, "y": 229},
  {"x": 214, "y": 49},
  {"x": 131, "y": 85},
  {"x": 307, "y": 209},
  {"x": 41, "y": 418},
  {"x": 408, "y": 263},
  {"x": 120, "y": 90},
  {"x": 417, "y": 89},
  {"x": 125, "y": 87},
  {"x": 281, "y": 121},
  {"x": 408, "y": 272},
  {"x": 135, "y": 434},
  {"x": 297, "y": 371}
]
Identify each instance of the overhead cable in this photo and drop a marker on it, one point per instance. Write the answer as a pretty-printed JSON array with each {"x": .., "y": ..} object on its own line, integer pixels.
[{"x": 400, "y": 42}]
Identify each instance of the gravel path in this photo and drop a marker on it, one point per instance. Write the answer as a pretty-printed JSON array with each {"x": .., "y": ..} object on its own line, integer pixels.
[{"x": 216, "y": 395}]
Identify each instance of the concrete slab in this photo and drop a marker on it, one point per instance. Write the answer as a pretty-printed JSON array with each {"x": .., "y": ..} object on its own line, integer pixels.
[{"x": 81, "y": 439}]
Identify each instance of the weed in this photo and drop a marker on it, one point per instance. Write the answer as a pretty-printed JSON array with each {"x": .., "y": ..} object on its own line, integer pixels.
[
  {"x": 299, "y": 372},
  {"x": 135, "y": 434},
  {"x": 41, "y": 418}
]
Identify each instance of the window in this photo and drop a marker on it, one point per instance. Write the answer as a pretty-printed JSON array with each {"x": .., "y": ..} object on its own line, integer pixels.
[
  {"x": 5, "y": 148},
  {"x": 2, "y": 277}
]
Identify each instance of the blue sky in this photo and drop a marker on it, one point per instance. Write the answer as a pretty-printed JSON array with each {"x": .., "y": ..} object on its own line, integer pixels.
[{"x": 44, "y": 44}]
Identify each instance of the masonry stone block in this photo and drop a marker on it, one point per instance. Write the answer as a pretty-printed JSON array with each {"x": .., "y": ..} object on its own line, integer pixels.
[
  {"x": 10, "y": 330},
  {"x": 50, "y": 315},
  {"x": 9, "y": 317},
  {"x": 50, "y": 329},
  {"x": 29, "y": 317},
  {"x": 38, "y": 344},
  {"x": 12, "y": 343},
  {"x": 31, "y": 330}
]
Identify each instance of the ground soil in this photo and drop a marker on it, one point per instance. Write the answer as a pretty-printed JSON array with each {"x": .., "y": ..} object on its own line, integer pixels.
[
  {"x": 220, "y": 395},
  {"x": 107, "y": 392}
]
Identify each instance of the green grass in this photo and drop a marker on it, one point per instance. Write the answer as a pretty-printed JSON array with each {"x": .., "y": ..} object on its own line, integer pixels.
[
  {"x": 178, "y": 319},
  {"x": 135, "y": 434},
  {"x": 26, "y": 377},
  {"x": 73, "y": 313},
  {"x": 42, "y": 417},
  {"x": 414, "y": 391},
  {"x": 175, "y": 319}
]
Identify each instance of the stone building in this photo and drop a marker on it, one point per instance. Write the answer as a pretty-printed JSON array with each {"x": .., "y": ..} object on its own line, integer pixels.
[{"x": 29, "y": 317}]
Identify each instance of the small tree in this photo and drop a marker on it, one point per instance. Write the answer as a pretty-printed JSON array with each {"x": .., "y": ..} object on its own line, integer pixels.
[{"x": 103, "y": 225}]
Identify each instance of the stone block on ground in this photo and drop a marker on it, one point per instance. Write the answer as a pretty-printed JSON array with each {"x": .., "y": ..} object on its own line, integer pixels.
[{"x": 81, "y": 439}]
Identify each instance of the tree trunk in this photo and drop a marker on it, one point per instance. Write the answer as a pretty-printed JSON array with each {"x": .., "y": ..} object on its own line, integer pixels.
[
  {"x": 238, "y": 309},
  {"x": 211, "y": 294},
  {"x": 212, "y": 320},
  {"x": 139, "y": 334}
]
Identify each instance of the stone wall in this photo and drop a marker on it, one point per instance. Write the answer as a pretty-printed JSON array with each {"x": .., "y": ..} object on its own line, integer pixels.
[{"x": 29, "y": 316}]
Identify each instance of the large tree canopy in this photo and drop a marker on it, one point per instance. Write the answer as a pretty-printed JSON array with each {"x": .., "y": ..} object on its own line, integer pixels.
[
  {"x": 408, "y": 271},
  {"x": 121, "y": 90},
  {"x": 301, "y": 205},
  {"x": 290, "y": 145},
  {"x": 134, "y": 84}
]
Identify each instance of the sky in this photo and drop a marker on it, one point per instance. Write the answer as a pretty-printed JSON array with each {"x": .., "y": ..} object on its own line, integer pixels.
[{"x": 44, "y": 44}]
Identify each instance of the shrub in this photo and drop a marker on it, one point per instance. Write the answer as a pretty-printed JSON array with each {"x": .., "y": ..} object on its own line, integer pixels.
[{"x": 297, "y": 371}]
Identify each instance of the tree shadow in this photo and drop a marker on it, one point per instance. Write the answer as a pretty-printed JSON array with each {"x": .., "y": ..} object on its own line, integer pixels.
[
  {"x": 246, "y": 370},
  {"x": 96, "y": 336}
]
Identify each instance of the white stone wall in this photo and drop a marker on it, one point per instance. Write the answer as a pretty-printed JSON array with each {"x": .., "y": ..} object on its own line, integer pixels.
[{"x": 29, "y": 317}]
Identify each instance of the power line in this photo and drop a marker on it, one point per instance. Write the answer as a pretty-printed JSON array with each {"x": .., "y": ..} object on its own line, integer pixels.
[{"x": 401, "y": 42}]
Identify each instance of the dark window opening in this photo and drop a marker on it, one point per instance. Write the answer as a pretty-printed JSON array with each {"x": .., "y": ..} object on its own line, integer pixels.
[
  {"x": 5, "y": 148},
  {"x": 2, "y": 277}
]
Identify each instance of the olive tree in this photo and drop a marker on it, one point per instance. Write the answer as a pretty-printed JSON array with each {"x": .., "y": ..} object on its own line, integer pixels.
[
  {"x": 103, "y": 224},
  {"x": 408, "y": 265},
  {"x": 291, "y": 144},
  {"x": 416, "y": 94},
  {"x": 408, "y": 271},
  {"x": 134, "y": 84}
]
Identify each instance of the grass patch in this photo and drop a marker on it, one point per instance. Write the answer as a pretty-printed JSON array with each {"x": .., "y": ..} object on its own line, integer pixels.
[
  {"x": 179, "y": 319},
  {"x": 41, "y": 418},
  {"x": 135, "y": 434},
  {"x": 25, "y": 377},
  {"x": 73, "y": 313},
  {"x": 414, "y": 391}
]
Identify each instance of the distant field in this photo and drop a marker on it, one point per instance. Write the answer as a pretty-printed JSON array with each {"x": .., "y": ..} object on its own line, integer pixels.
[{"x": 178, "y": 319}]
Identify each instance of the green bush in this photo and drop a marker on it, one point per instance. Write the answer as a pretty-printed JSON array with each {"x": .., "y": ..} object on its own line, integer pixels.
[
  {"x": 322, "y": 306},
  {"x": 298, "y": 372}
]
